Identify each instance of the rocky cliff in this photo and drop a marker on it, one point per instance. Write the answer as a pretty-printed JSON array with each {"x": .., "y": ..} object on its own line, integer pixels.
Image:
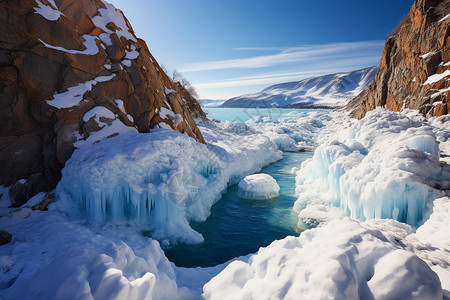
[
  {"x": 68, "y": 69},
  {"x": 414, "y": 70}
]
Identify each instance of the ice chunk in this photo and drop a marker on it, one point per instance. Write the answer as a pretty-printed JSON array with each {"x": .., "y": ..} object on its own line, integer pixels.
[{"x": 258, "y": 186}]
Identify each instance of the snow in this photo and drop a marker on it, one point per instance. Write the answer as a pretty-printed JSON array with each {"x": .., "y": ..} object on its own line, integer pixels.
[
  {"x": 164, "y": 112},
  {"x": 74, "y": 95},
  {"x": 384, "y": 166},
  {"x": 343, "y": 259},
  {"x": 425, "y": 56},
  {"x": 364, "y": 178},
  {"x": 114, "y": 15},
  {"x": 98, "y": 112},
  {"x": 439, "y": 92},
  {"x": 89, "y": 42},
  {"x": 168, "y": 91},
  {"x": 211, "y": 102},
  {"x": 258, "y": 187},
  {"x": 132, "y": 54},
  {"x": 53, "y": 256},
  {"x": 293, "y": 131},
  {"x": 126, "y": 62},
  {"x": 120, "y": 105},
  {"x": 158, "y": 181},
  {"x": 333, "y": 90},
  {"x": 47, "y": 12},
  {"x": 444, "y": 18},
  {"x": 436, "y": 77}
]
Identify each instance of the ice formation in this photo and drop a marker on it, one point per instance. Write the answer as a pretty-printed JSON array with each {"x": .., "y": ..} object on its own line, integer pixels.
[
  {"x": 258, "y": 186},
  {"x": 160, "y": 180},
  {"x": 392, "y": 157},
  {"x": 293, "y": 131},
  {"x": 384, "y": 166}
]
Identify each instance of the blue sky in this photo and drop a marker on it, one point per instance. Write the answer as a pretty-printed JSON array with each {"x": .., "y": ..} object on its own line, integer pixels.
[{"x": 228, "y": 48}]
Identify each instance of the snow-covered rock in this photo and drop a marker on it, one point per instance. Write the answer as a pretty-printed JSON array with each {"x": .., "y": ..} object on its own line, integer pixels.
[
  {"x": 333, "y": 90},
  {"x": 258, "y": 186}
]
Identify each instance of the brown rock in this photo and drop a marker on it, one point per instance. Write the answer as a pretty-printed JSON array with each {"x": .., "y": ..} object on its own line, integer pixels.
[
  {"x": 38, "y": 138},
  {"x": 417, "y": 49}
]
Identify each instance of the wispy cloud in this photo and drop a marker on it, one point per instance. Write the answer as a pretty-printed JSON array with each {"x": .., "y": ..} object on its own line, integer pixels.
[
  {"x": 260, "y": 49},
  {"x": 289, "y": 55},
  {"x": 273, "y": 78}
]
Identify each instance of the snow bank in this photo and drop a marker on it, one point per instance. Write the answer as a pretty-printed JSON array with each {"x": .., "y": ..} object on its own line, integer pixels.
[
  {"x": 258, "y": 186},
  {"x": 56, "y": 257},
  {"x": 384, "y": 166},
  {"x": 344, "y": 259},
  {"x": 159, "y": 181}
]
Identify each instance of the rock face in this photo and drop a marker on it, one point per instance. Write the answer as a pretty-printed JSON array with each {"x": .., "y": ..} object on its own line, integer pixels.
[
  {"x": 414, "y": 70},
  {"x": 68, "y": 69}
]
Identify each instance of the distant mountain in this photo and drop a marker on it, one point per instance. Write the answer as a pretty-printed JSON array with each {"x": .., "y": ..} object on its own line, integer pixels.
[
  {"x": 333, "y": 90},
  {"x": 211, "y": 102}
]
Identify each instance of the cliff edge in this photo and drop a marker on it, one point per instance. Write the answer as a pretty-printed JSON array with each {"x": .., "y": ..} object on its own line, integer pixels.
[{"x": 414, "y": 70}]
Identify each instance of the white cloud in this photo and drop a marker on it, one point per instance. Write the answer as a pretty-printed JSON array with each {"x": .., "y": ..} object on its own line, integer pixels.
[{"x": 293, "y": 54}]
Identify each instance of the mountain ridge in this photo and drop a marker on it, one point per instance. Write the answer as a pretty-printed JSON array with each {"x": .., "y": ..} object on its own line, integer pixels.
[{"x": 330, "y": 91}]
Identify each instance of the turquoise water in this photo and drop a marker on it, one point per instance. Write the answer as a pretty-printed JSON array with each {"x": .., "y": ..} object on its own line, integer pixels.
[
  {"x": 245, "y": 114},
  {"x": 238, "y": 227}
]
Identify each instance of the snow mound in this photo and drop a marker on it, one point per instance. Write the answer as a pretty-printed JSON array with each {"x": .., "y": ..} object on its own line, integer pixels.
[
  {"x": 384, "y": 166},
  {"x": 258, "y": 186},
  {"x": 341, "y": 260}
]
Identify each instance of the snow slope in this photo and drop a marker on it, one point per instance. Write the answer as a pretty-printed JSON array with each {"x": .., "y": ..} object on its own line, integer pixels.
[{"x": 333, "y": 90}]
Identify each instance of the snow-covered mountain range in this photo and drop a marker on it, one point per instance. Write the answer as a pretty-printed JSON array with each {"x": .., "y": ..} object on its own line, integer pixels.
[
  {"x": 332, "y": 90},
  {"x": 211, "y": 102}
]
